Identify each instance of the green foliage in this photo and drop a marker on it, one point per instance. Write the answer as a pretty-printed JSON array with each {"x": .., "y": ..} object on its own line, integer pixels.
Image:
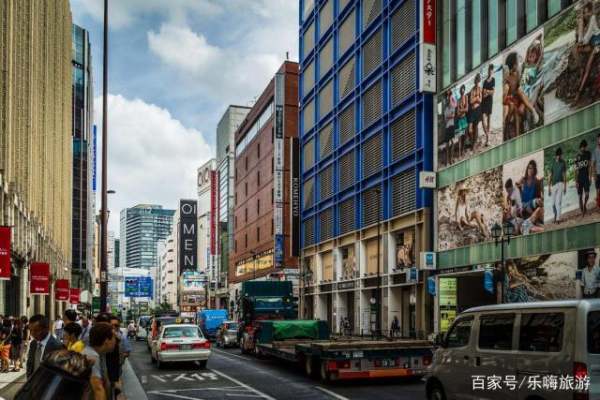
[{"x": 559, "y": 26}]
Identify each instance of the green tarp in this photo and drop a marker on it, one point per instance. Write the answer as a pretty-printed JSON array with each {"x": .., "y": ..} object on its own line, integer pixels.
[{"x": 296, "y": 329}]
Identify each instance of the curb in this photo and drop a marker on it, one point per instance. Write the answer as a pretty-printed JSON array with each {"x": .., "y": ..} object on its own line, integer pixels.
[{"x": 132, "y": 388}]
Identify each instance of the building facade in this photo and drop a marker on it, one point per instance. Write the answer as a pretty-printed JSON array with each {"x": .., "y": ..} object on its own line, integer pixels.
[
  {"x": 36, "y": 174},
  {"x": 83, "y": 159},
  {"x": 141, "y": 228},
  {"x": 263, "y": 223},
  {"x": 365, "y": 137},
  {"x": 169, "y": 278},
  {"x": 523, "y": 160},
  {"x": 226, "y": 128},
  {"x": 207, "y": 176}
]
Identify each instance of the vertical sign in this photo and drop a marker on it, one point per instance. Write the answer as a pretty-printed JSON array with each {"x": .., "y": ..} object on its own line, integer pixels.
[
  {"x": 279, "y": 169},
  {"x": 61, "y": 289},
  {"x": 74, "y": 295},
  {"x": 447, "y": 302},
  {"x": 5, "y": 233},
  {"x": 427, "y": 56},
  {"x": 94, "y": 137},
  {"x": 39, "y": 279},
  {"x": 295, "y": 197},
  {"x": 214, "y": 199},
  {"x": 188, "y": 240}
]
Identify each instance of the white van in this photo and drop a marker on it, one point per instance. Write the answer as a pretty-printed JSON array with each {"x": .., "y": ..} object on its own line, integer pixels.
[
  {"x": 530, "y": 351},
  {"x": 143, "y": 327}
]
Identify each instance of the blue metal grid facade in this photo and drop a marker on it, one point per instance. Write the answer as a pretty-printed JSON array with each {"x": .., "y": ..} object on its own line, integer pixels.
[{"x": 392, "y": 139}]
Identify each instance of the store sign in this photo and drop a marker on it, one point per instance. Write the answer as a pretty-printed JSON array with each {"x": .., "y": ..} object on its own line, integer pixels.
[
  {"x": 95, "y": 305},
  {"x": 431, "y": 285},
  {"x": 278, "y": 219},
  {"x": 428, "y": 260},
  {"x": 188, "y": 238},
  {"x": 5, "y": 235},
  {"x": 214, "y": 200},
  {"x": 74, "y": 295},
  {"x": 427, "y": 180},
  {"x": 278, "y": 186},
  {"x": 94, "y": 157},
  {"x": 279, "y": 241},
  {"x": 447, "y": 302},
  {"x": 412, "y": 275},
  {"x": 427, "y": 50},
  {"x": 39, "y": 280},
  {"x": 260, "y": 262},
  {"x": 61, "y": 289},
  {"x": 295, "y": 197}
]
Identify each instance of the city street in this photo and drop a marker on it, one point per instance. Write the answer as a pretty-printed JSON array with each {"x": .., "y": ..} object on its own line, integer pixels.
[{"x": 231, "y": 375}]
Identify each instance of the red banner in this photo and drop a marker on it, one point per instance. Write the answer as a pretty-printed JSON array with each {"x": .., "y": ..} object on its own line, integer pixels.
[
  {"x": 39, "y": 278},
  {"x": 61, "y": 289},
  {"x": 428, "y": 21},
  {"x": 214, "y": 200},
  {"x": 5, "y": 232},
  {"x": 74, "y": 295}
]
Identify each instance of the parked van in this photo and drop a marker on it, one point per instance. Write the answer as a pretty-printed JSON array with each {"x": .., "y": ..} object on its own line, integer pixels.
[
  {"x": 520, "y": 351},
  {"x": 142, "y": 327}
]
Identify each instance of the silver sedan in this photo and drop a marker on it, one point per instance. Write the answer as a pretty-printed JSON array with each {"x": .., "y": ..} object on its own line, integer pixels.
[{"x": 180, "y": 343}]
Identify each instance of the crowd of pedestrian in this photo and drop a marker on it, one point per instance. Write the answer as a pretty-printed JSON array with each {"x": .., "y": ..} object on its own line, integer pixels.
[{"x": 70, "y": 349}]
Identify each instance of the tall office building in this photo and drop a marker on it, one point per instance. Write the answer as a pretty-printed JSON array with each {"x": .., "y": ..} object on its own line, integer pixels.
[
  {"x": 83, "y": 147},
  {"x": 207, "y": 204},
  {"x": 35, "y": 146},
  {"x": 366, "y": 135},
  {"x": 522, "y": 161},
  {"x": 264, "y": 227},
  {"x": 141, "y": 228},
  {"x": 229, "y": 123}
]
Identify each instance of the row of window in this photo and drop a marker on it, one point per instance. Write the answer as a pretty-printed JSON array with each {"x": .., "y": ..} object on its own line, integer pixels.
[
  {"x": 235, "y": 246},
  {"x": 473, "y": 31},
  {"x": 261, "y": 121}
]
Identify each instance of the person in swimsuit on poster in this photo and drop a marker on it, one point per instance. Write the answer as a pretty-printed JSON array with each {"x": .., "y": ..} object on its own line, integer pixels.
[
  {"x": 474, "y": 115},
  {"x": 583, "y": 173},
  {"x": 465, "y": 219},
  {"x": 488, "y": 102},
  {"x": 450, "y": 130}
]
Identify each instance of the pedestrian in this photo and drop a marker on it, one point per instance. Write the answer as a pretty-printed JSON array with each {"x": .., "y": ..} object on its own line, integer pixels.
[
  {"x": 70, "y": 316},
  {"x": 5, "y": 333},
  {"x": 71, "y": 337},
  {"x": 558, "y": 183},
  {"x": 26, "y": 339},
  {"x": 395, "y": 331},
  {"x": 102, "y": 342},
  {"x": 16, "y": 345},
  {"x": 85, "y": 329},
  {"x": 58, "y": 328},
  {"x": 43, "y": 342},
  {"x": 589, "y": 276},
  {"x": 121, "y": 353}
]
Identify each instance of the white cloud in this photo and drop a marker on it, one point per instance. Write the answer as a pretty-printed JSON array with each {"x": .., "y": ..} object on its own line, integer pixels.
[{"x": 152, "y": 157}]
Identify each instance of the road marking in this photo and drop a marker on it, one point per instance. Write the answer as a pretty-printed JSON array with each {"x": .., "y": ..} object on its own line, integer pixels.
[
  {"x": 144, "y": 379},
  {"x": 178, "y": 396},
  {"x": 332, "y": 394},
  {"x": 250, "y": 388},
  {"x": 187, "y": 378},
  {"x": 158, "y": 377},
  {"x": 242, "y": 395},
  {"x": 233, "y": 355}
]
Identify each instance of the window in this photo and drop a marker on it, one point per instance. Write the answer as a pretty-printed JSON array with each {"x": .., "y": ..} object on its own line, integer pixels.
[
  {"x": 246, "y": 240},
  {"x": 272, "y": 165},
  {"x": 461, "y": 23},
  {"x": 511, "y": 21},
  {"x": 447, "y": 40},
  {"x": 496, "y": 331},
  {"x": 246, "y": 188},
  {"x": 246, "y": 214},
  {"x": 476, "y": 17},
  {"x": 553, "y": 7},
  {"x": 493, "y": 46},
  {"x": 593, "y": 332},
  {"x": 541, "y": 332},
  {"x": 235, "y": 246},
  {"x": 272, "y": 196},
  {"x": 258, "y": 151},
  {"x": 531, "y": 9},
  {"x": 246, "y": 163},
  {"x": 258, "y": 234},
  {"x": 257, "y": 206},
  {"x": 459, "y": 334},
  {"x": 258, "y": 178},
  {"x": 272, "y": 226}
]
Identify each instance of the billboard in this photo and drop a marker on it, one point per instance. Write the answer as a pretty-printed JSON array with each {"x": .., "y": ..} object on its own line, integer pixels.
[
  {"x": 214, "y": 204},
  {"x": 192, "y": 281},
  {"x": 552, "y": 188},
  {"x": 261, "y": 262},
  {"x": 188, "y": 236},
  {"x": 39, "y": 278},
  {"x": 551, "y": 73},
  {"x": 5, "y": 235},
  {"x": 427, "y": 50},
  {"x": 139, "y": 286}
]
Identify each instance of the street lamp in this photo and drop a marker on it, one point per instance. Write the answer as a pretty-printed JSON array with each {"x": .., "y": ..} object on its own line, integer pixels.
[{"x": 502, "y": 235}]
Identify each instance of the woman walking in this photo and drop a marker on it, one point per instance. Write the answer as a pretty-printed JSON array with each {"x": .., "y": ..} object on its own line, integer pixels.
[{"x": 16, "y": 345}]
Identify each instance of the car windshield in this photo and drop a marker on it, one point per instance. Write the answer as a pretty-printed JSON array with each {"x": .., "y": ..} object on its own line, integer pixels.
[{"x": 182, "y": 332}]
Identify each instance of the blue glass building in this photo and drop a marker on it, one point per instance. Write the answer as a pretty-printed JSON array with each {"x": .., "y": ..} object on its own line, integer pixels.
[{"x": 366, "y": 134}]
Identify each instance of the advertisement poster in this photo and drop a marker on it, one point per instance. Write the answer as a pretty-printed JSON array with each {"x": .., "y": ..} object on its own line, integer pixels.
[
  {"x": 447, "y": 302},
  {"x": 572, "y": 171},
  {"x": 523, "y": 86},
  {"x": 588, "y": 273},
  {"x": 572, "y": 60},
  {"x": 5, "y": 234},
  {"x": 61, "y": 288},
  {"x": 39, "y": 280},
  {"x": 538, "y": 278},
  {"x": 523, "y": 194},
  {"x": 74, "y": 295},
  {"x": 468, "y": 209},
  {"x": 349, "y": 268},
  {"x": 405, "y": 253},
  {"x": 464, "y": 130}
]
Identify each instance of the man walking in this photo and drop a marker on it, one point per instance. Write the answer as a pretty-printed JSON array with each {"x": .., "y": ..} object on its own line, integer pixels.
[
  {"x": 102, "y": 342},
  {"x": 43, "y": 342},
  {"x": 85, "y": 330},
  {"x": 58, "y": 328},
  {"x": 558, "y": 183}
]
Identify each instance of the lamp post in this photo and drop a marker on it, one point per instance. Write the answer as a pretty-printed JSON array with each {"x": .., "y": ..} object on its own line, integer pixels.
[{"x": 502, "y": 234}]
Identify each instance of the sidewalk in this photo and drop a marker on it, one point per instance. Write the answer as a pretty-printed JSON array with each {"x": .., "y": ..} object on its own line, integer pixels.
[
  {"x": 132, "y": 388},
  {"x": 10, "y": 383}
]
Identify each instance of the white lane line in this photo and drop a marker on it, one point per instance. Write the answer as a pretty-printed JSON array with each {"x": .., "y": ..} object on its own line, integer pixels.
[
  {"x": 242, "y": 395},
  {"x": 233, "y": 355},
  {"x": 177, "y": 396},
  {"x": 250, "y": 388},
  {"x": 333, "y": 394}
]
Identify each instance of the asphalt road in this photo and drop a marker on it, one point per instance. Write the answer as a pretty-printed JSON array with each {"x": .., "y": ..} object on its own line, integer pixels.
[{"x": 233, "y": 376}]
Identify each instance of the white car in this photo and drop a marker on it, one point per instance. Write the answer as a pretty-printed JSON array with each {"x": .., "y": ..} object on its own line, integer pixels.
[{"x": 180, "y": 343}]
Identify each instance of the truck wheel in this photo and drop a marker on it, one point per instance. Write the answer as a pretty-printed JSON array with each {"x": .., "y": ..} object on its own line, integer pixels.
[
  {"x": 436, "y": 392},
  {"x": 310, "y": 366},
  {"x": 323, "y": 373}
]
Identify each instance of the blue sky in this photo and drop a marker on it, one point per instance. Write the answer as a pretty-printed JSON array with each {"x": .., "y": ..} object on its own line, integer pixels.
[{"x": 174, "y": 66}]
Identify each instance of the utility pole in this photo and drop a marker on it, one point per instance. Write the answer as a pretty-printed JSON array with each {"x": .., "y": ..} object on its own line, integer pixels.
[{"x": 104, "y": 197}]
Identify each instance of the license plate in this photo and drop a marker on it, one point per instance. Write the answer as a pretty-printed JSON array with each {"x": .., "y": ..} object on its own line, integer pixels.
[{"x": 186, "y": 347}]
